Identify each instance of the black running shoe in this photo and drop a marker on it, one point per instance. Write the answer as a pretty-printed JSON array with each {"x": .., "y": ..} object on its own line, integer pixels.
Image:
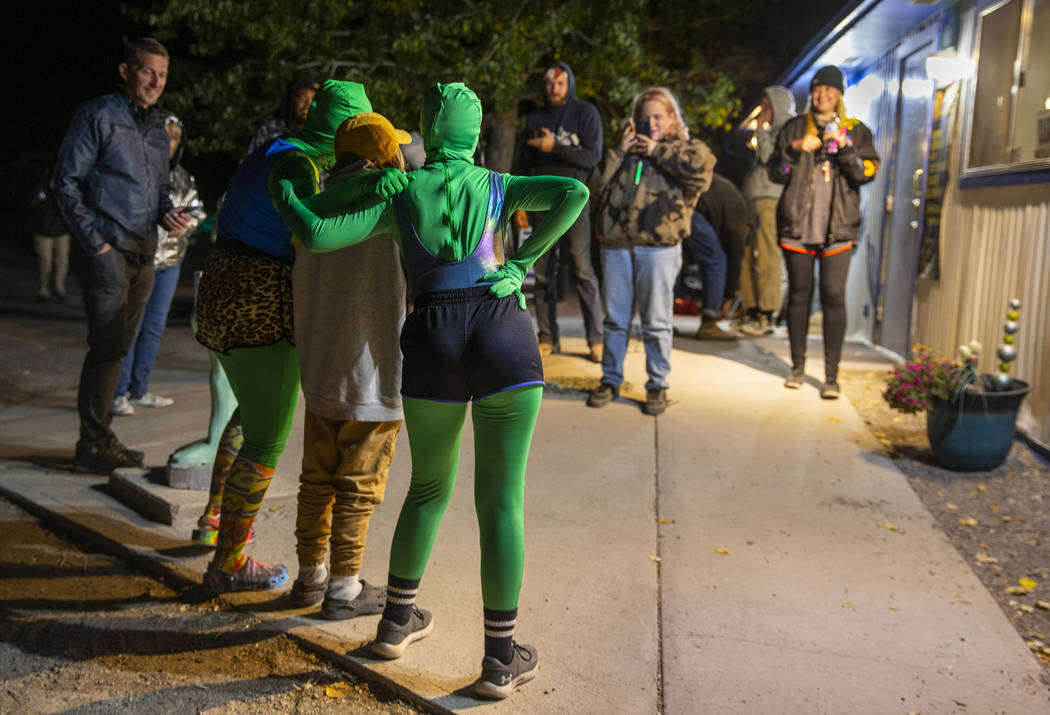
[
  {"x": 393, "y": 638},
  {"x": 499, "y": 679}
]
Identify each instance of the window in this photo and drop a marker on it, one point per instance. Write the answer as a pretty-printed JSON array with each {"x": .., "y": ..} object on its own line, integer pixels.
[{"x": 1010, "y": 128}]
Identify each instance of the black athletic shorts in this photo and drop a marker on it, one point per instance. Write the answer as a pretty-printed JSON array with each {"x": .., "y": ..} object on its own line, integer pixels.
[{"x": 466, "y": 344}]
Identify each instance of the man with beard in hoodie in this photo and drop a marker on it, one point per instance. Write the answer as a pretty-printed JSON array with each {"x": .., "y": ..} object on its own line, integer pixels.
[
  {"x": 565, "y": 139},
  {"x": 761, "y": 269}
]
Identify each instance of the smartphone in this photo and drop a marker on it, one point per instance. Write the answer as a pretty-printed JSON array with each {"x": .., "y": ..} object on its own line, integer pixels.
[{"x": 642, "y": 127}]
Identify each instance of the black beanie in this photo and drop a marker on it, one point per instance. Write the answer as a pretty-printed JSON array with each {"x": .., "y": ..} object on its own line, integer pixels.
[{"x": 831, "y": 76}]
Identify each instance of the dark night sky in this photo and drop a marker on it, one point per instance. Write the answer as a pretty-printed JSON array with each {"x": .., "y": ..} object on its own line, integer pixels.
[{"x": 58, "y": 55}]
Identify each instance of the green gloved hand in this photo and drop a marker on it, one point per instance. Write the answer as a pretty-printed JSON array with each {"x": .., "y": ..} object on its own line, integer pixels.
[
  {"x": 507, "y": 280},
  {"x": 390, "y": 182}
]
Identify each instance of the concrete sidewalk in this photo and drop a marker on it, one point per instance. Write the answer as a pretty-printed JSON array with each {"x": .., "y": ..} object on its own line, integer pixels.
[{"x": 730, "y": 556}]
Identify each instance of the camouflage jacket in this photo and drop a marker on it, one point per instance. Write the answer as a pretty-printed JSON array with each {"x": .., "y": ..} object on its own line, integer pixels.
[{"x": 652, "y": 207}]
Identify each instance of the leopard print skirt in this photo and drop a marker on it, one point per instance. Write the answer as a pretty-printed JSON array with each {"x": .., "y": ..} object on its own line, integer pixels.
[{"x": 244, "y": 299}]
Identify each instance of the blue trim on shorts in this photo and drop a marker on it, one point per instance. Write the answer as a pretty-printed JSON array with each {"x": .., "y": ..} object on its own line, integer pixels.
[{"x": 511, "y": 387}]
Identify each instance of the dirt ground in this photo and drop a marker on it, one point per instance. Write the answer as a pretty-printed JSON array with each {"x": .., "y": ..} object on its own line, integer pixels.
[
  {"x": 997, "y": 519},
  {"x": 82, "y": 632}
]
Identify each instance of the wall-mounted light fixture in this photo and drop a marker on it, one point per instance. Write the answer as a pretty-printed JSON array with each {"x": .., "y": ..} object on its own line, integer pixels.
[{"x": 947, "y": 66}]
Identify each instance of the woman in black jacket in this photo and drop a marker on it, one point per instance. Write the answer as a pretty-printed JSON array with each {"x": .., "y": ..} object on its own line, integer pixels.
[{"x": 824, "y": 157}]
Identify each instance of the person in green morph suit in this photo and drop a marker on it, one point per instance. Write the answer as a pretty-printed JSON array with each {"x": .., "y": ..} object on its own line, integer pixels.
[
  {"x": 468, "y": 338},
  {"x": 244, "y": 313}
]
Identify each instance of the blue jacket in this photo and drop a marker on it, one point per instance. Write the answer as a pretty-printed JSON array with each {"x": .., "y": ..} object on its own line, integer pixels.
[{"x": 111, "y": 176}]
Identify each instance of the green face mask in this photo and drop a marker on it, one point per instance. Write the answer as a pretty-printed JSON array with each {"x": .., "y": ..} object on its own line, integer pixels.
[
  {"x": 335, "y": 103},
  {"x": 450, "y": 121}
]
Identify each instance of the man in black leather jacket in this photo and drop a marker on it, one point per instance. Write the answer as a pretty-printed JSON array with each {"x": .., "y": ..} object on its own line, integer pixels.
[{"x": 110, "y": 184}]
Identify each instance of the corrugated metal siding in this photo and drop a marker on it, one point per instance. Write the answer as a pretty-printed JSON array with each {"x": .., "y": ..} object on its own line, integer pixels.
[{"x": 995, "y": 245}]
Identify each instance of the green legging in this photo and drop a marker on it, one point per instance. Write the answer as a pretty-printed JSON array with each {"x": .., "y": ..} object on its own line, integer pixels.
[
  {"x": 265, "y": 381},
  {"x": 503, "y": 425}
]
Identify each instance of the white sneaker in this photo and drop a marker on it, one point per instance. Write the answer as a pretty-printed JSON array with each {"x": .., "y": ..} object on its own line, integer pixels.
[
  {"x": 122, "y": 407},
  {"x": 151, "y": 400}
]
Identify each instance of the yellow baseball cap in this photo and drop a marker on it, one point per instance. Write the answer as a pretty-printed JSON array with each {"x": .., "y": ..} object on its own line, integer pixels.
[{"x": 371, "y": 136}]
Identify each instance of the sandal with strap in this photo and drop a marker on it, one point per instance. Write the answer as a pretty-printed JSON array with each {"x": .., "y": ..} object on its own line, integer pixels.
[{"x": 253, "y": 576}]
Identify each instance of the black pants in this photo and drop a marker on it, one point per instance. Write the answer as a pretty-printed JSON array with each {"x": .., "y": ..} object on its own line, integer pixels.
[
  {"x": 577, "y": 240},
  {"x": 116, "y": 289},
  {"x": 833, "y": 270}
]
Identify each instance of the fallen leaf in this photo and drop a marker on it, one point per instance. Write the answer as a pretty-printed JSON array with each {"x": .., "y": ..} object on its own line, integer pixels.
[
  {"x": 893, "y": 608},
  {"x": 950, "y": 506},
  {"x": 965, "y": 601},
  {"x": 1015, "y": 590},
  {"x": 993, "y": 507},
  {"x": 1005, "y": 519},
  {"x": 986, "y": 559},
  {"x": 880, "y": 435},
  {"x": 277, "y": 507},
  {"x": 848, "y": 605},
  {"x": 663, "y": 520},
  {"x": 890, "y": 527},
  {"x": 720, "y": 550},
  {"x": 333, "y": 693},
  {"x": 981, "y": 488},
  {"x": 655, "y": 559},
  {"x": 1026, "y": 608},
  {"x": 968, "y": 521},
  {"x": 983, "y": 546},
  {"x": 834, "y": 419},
  {"x": 1027, "y": 583}
]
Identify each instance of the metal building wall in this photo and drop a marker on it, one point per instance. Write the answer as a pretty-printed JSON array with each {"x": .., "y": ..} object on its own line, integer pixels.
[{"x": 995, "y": 245}]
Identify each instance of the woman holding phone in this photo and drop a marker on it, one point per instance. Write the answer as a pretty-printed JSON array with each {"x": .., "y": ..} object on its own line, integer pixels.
[
  {"x": 650, "y": 185},
  {"x": 823, "y": 157}
]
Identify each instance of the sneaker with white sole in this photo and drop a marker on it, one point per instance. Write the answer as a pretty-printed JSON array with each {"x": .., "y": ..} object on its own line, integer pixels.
[
  {"x": 796, "y": 379},
  {"x": 499, "y": 679},
  {"x": 122, "y": 406},
  {"x": 393, "y": 638},
  {"x": 151, "y": 400}
]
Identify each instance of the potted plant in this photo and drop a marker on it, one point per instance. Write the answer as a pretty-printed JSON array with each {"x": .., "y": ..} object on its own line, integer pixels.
[{"x": 970, "y": 417}]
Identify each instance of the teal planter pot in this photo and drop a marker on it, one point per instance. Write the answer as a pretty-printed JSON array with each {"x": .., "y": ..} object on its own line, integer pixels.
[{"x": 975, "y": 432}]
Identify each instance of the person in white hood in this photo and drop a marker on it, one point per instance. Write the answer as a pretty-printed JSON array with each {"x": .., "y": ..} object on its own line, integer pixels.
[{"x": 760, "y": 274}]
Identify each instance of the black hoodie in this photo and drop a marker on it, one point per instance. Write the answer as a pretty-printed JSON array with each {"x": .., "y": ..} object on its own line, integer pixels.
[{"x": 577, "y": 131}]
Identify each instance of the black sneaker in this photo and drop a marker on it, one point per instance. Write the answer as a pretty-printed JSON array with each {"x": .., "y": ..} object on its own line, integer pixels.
[
  {"x": 830, "y": 390},
  {"x": 796, "y": 379},
  {"x": 393, "y": 638},
  {"x": 605, "y": 394},
  {"x": 368, "y": 602},
  {"x": 498, "y": 679},
  {"x": 655, "y": 401},
  {"x": 103, "y": 456}
]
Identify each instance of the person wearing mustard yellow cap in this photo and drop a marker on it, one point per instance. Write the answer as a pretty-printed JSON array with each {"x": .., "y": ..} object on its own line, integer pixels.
[
  {"x": 349, "y": 308},
  {"x": 468, "y": 345}
]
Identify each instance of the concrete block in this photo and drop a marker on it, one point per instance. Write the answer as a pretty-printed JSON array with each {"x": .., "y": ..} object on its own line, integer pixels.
[
  {"x": 134, "y": 487},
  {"x": 188, "y": 476}
]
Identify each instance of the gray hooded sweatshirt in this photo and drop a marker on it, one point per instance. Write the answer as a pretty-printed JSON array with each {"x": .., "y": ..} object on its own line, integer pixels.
[
  {"x": 757, "y": 184},
  {"x": 349, "y": 309}
]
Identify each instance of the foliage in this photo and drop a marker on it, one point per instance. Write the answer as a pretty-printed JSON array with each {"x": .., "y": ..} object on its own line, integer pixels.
[
  {"x": 911, "y": 387},
  {"x": 232, "y": 59}
]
